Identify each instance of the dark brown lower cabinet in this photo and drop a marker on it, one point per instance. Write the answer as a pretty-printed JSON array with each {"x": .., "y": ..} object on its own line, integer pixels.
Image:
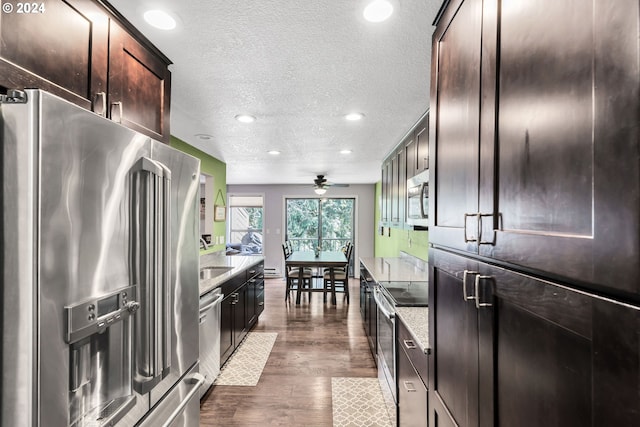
[
  {"x": 233, "y": 321},
  {"x": 259, "y": 298},
  {"x": 242, "y": 304},
  {"x": 226, "y": 328},
  {"x": 514, "y": 350}
]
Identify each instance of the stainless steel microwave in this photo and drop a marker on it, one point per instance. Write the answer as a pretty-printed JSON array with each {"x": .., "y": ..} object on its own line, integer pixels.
[{"x": 418, "y": 200}]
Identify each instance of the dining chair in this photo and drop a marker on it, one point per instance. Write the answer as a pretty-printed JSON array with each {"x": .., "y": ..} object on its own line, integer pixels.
[
  {"x": 340, "y": 283},
  {"x": 292, "y": 274},
  {"x": 347, "y": 249},
  {"x": 340, "y": 277}
]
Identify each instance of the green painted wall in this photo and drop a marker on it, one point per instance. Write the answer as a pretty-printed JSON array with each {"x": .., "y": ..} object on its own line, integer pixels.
[
  {"x": 218, "y": 170},
  {"x": 394, "y": 240}
]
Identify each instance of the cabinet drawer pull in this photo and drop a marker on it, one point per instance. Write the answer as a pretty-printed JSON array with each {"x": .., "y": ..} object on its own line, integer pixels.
[
  {"x": 261, "y": 303},
  {"x": 408, "y": 385},
  {"x": 410, "y": 344}
]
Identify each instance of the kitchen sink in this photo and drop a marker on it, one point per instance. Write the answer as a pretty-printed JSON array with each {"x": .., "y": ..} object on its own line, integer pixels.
[{"x": 211, "y": 272}]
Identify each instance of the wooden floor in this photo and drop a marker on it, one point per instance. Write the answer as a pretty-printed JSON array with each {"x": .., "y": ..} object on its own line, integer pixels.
[{"x": 316, "y": 342}]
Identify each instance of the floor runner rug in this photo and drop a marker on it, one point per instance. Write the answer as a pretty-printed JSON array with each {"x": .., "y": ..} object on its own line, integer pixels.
[
  {"x": 246, "y": 363},
  {"x": 358, "y": 402}
]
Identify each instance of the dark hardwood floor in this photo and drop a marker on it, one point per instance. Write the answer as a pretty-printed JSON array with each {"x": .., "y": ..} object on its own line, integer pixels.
[{"x": 316, "y": 341}]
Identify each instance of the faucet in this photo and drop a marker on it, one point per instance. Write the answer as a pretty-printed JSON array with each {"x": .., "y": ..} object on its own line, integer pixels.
[{"x": 203, "y": 244}]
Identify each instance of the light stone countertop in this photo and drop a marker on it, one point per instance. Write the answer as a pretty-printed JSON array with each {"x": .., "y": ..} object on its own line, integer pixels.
[
  {"x": 401, "y": 269},
  {"x": 239, "y": 263},
  {"x": 417, "y": 321}
]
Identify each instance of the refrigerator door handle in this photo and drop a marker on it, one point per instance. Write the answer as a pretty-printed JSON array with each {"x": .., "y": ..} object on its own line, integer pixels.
[
  {"x": 165, "y": 267},
  {"x": 152, "y": 251},
  {"x": 196, "y": 378}
]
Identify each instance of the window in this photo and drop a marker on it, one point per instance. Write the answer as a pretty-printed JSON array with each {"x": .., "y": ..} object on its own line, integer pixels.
[
  {"x": 245, "y": 225},
  {"x": 327, "y": 223}
]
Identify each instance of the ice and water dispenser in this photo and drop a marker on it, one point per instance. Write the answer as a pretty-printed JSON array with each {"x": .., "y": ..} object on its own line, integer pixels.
[{"x": 99, "y": 334}]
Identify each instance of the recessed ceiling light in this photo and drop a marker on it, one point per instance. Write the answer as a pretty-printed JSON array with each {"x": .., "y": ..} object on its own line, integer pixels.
[
  {"x": 203, "y": 136},
  {"x": 354, "y": 116},
  {"x": 345, "y": 151},
  {"x": 378, "y": 11},
  {"x": 245, "y": 118},
  {"x": 273, "y": 152},
  {"x": 160, "y": 19}
]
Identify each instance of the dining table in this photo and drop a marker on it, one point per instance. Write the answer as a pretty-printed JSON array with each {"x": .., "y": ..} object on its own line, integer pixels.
[{"x": 323, "y": 259}]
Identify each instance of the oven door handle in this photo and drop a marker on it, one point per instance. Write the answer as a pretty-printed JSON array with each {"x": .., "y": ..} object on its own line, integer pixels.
[{"x": 382, "y": 305}]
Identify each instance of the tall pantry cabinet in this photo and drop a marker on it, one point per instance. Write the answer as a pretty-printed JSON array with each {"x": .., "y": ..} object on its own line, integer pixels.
[{"x": 535, "y": 171}]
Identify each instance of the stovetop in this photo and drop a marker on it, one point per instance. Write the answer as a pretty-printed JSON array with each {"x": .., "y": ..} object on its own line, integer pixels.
[{"x": 407, "y": 294}]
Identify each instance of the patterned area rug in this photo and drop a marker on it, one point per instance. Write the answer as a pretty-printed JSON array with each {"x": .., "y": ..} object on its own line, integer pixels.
[
  {"x": 246, "y": 364},
  {"x": 358, "y": 402}
]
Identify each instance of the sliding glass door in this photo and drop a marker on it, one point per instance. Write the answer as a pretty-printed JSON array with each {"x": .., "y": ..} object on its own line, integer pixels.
[{"x": 327, "y": 223}]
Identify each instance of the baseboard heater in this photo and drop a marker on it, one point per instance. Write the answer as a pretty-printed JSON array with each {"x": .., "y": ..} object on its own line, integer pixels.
[{"x": 271, "y": 272}]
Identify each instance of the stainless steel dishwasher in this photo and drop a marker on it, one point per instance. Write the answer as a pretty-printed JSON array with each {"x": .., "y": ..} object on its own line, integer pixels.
[{"x": 210, "y": 337}]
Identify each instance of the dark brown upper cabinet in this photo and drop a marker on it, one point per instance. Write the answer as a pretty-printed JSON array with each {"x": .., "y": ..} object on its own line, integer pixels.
[
  {"x": 385, "y": 194},
  {"x": 86, "y": 53},
  {"x": 62, "y": 50},
  {"x": 139, "y": 86},
  {"x": 406, "y": 160},
  {"x": 417, "y": 148},
  {"x": 534, "y": 127},
  {"x": 422, "y": 145}
]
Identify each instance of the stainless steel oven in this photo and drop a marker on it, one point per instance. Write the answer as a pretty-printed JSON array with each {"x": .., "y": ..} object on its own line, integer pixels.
[
  {"x": 386, "y": 331},
  {"x": 418, "y": 200}
]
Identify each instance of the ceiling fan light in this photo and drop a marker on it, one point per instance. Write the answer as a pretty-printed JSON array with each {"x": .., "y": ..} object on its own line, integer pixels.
[{"x": 320, "y": 191}]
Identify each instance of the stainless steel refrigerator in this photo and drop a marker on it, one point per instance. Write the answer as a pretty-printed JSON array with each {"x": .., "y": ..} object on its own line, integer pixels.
[{"x": 100, "y": 271}]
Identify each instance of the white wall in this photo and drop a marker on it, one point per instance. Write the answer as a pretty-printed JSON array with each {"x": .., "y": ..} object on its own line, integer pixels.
[{"x": 274, "y": 221}]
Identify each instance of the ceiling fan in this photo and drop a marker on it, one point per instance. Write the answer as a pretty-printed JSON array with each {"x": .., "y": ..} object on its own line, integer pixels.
[{"x": 320, "y": 185}]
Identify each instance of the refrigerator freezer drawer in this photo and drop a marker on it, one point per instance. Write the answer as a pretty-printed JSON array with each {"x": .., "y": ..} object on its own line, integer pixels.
[{"x": 180, "y": 406}]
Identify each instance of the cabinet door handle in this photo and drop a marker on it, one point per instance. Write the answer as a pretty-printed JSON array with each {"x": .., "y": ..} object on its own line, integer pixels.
[
  {"x": 408, "y": 385},
  {"x": 493, "y": 237},
  {"x": 117, "y": 104},
  {"x": 480, "y": 304},
  {"x": 409, "y": 344},
  {"x": 100, "y": 104},
  {"x": 466, "y": 296},
  {"x": 471, "y": 238},
  {"x": 261, "y": 303}
]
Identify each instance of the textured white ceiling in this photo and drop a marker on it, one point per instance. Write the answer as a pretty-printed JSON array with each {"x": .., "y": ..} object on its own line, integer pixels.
[{"x": 299, "y": 67}]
